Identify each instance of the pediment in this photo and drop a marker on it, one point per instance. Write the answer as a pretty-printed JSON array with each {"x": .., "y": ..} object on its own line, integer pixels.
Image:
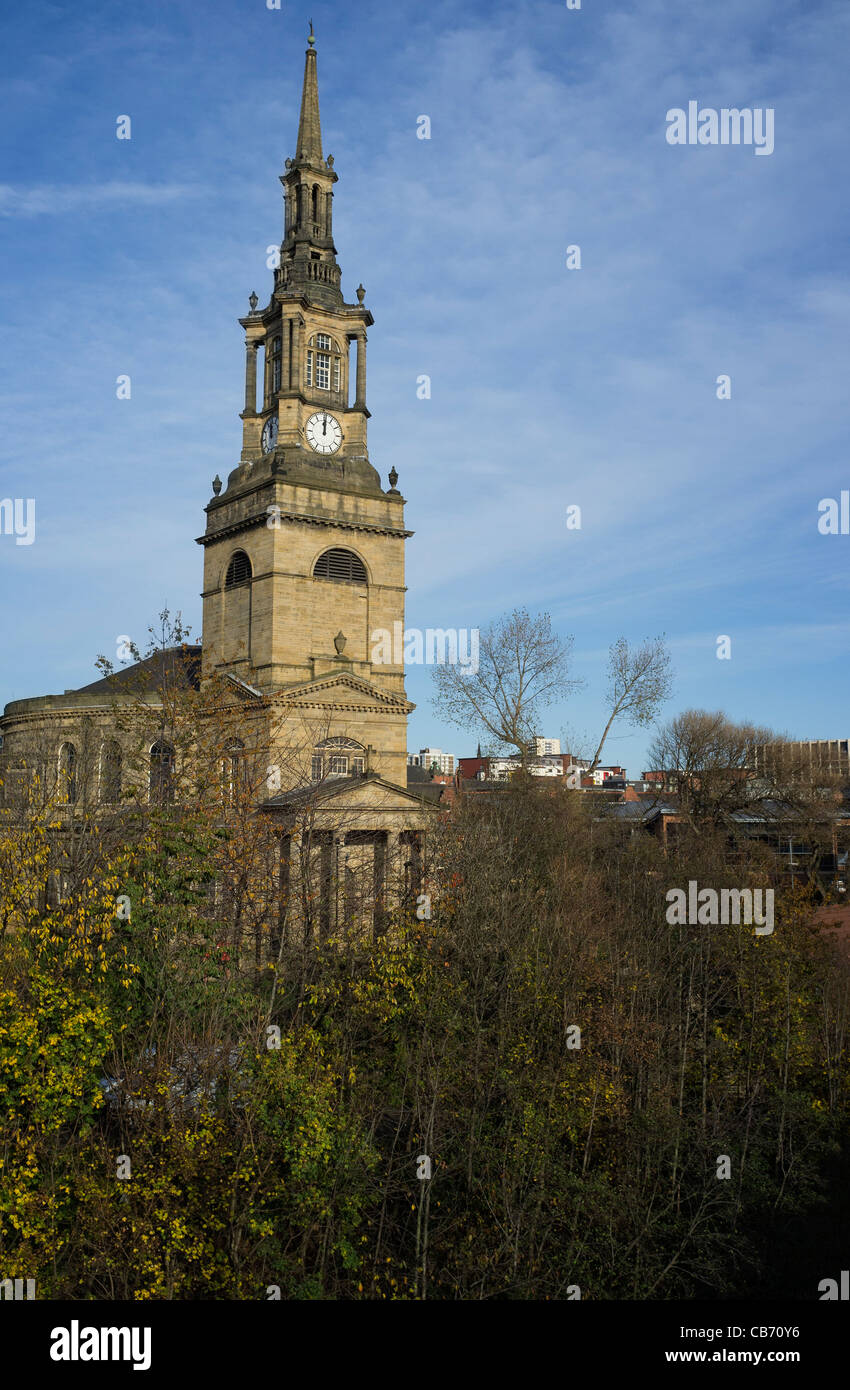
[
  {"x": 362, "y": 795},
  {"x": 343, "y": 690}
]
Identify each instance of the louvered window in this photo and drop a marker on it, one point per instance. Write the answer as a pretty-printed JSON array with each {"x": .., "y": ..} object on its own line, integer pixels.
[
  {"x": 341, "y": 565},
  {"x": 238, "y": 571}
]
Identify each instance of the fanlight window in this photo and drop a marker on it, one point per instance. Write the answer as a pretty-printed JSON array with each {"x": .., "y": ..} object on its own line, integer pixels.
[
  {"x": 338, "y": 757},
  {"x": 341, "y": 565},
  {"x": 238, "y": 571}
]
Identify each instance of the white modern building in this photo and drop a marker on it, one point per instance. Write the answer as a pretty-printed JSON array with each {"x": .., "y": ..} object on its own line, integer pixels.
[
  {"x": 432, "y": 757},
  {"x": 547, "y": 745}
]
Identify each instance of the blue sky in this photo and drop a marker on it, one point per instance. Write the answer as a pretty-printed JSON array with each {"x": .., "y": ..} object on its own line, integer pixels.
[{"x": 550, "y": 387}]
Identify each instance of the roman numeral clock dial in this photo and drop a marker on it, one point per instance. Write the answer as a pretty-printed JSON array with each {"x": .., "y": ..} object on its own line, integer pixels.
[
  {"x": 323, "y": 432},
  {"x": 269, "y": 434}
]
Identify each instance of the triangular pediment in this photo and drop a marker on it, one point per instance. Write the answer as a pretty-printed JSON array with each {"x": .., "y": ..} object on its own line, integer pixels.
[
  {"x": 366, "y": 794},
  {"x": 344, "y": 690}
]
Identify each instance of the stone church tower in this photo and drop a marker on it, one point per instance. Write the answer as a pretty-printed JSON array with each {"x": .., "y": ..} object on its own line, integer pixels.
[
  {"x": 303, "y": 572},
  {"x": 304, "y": 549}
]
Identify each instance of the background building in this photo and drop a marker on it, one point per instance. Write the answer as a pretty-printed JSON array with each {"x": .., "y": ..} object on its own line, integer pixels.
[
  {"x": 429, "y": 758},
  {"x": 547, "y": 745}
]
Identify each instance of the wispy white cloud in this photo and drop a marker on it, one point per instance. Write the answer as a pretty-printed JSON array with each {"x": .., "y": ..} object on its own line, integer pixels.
[{"x": 51, "y": 199}]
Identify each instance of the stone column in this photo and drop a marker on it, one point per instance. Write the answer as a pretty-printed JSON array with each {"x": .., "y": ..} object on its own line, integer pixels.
[
  {"x": 251, "y": 346},
  {"x": 360, "y": 399},
  {"x": 280, "y": 931},
  {"x": 284, "y": 354},
  {"x": 379, "y": 882},
  {"x": 347, "y": 365},
  {"x": 267, "y": 372},
  {"x": 296, "y": 375},
  {"x": 327, "y": 885}
]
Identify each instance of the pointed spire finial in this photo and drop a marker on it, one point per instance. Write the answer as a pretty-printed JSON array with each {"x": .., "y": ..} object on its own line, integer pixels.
[{"x": 309, "y": 147}]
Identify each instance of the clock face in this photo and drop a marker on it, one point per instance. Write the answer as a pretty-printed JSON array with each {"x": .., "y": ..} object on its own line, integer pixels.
[
  {"x": 324, "y": 433},
  {"x": 269, "y": 434}
]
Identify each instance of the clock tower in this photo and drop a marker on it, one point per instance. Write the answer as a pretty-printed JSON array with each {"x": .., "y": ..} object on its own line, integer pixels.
[{"x": 304, "y": 548}]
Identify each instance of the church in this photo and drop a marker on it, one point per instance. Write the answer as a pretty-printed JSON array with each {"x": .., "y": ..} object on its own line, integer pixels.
[{"x": 303, "y": 560}]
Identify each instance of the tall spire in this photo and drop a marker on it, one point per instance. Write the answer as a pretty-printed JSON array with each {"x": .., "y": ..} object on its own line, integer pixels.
[
  {"x": 307, "y": 253},
  {"x": 309, "y": 147}
]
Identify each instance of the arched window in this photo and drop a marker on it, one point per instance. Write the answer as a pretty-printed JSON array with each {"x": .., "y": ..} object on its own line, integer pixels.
[
  {"x": 162, "y": 773},
  {"x": 277, "y": 344},
  {"x": 324, "y": 362},
  {"x": 233, "y": 771},
  {"x": 67, "y": 788},
  {"x": 338, "y": 757},
  {"x": 238, "y": 571},
  {"x": 343, "y": 566},
  {"x": 315, "y": 202},
  {"x": 110, "y": 773}
]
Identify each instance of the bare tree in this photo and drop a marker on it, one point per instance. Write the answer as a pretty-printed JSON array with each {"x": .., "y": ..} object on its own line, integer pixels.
[
  {"x": 707, "y": 760},
  {"x": 640, "y": 680},
  {"x": 523, "y": 668}
]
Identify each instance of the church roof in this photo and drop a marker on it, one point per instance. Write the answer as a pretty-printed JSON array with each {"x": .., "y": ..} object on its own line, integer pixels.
[{"x": 180, "y": 665}]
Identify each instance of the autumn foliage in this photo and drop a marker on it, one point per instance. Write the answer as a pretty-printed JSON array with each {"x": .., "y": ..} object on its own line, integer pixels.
[{"x": 186, "y": 1115}]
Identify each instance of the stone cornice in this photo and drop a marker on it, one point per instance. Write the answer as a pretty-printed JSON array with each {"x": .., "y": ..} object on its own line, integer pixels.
[
  {"x": 336, "y": 708},
  {"x": 42, "y": 706},
  {"x": 248, "y": 523}
]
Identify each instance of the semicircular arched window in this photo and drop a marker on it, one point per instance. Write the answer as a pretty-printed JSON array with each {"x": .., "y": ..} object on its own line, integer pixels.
[
  {"x": 110, "y": 772},
  {"x": 238, "y": 571},
  {"x": 161, "y": 772},
  {"x": 67, "y": 774},
  {"x": 234, "y": 771},
  {"x": 341, "y": 565}
]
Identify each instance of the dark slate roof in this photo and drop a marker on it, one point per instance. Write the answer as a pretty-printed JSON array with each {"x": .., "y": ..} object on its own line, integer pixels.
[
  {"x": 642, "y": 811},
  {"x": 315, "y": 791},
  {"x": 771, "y": 812},
  {"x": 417, "y": 774},
  {"x": 428, "y": 791},
  {"x": 182, "y": 664}
]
